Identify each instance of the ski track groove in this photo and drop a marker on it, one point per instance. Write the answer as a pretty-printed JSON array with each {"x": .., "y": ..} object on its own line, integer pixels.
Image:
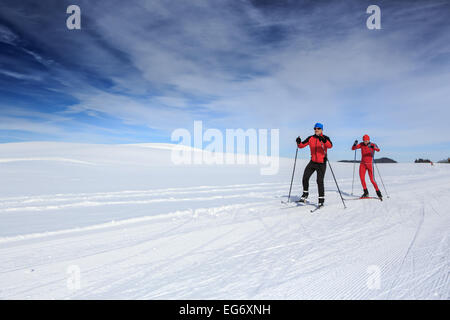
[
  {"x": 408, "y": 250},
  {"x": 164, "y": 191},
  {"x": 119, "y": 248},
  {"x": 193, "y": 252},
  {"x": 88, "y": 203},
  {"x": 143, "y": 195}
]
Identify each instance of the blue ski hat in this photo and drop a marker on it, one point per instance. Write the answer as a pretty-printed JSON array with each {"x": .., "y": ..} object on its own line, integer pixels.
[{"x": 318, "y": 125}]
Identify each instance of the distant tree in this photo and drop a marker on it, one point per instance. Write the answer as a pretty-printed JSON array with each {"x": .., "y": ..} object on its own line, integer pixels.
[
  {"x": 385, "y": 160},
  {"x": 420, "y": 160}
]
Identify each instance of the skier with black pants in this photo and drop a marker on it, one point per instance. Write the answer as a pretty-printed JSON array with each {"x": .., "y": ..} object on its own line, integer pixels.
[{"x": 318, "y": 145}]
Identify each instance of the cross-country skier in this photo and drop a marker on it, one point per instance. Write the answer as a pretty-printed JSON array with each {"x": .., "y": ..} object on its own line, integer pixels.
[
  {"x": 367, "y": 154},
  {"x": 318, "y": 144}
]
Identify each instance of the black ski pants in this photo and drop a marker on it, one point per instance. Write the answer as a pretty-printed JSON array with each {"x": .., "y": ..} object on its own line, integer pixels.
[{"x": 309, "y": 170}]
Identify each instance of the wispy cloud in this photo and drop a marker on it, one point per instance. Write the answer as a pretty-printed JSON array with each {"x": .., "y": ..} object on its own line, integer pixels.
[
  {"x": 20, "y": 76},
  {"x": 7, "y": 36}
]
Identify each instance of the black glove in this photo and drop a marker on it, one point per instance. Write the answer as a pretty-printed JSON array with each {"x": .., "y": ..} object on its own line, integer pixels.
[
  {"x": 372, "y": 146},
  {"x": 322, "y": 139},
  {"x": 356, "y": 142},
  {"x": 298, "y": 140}
]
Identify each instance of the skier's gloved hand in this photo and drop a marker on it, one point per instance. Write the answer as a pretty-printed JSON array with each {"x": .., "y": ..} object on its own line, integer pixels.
[
  {"x": 372, "y": 146},
  {"x": 298, "y": 140},
  {"x": 322, "y": 139},
  {"x": 355, "y": 143}
]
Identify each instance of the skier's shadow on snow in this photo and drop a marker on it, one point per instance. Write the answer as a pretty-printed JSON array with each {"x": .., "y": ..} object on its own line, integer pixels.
[
  {"x": 292, "y": 198},
  {"x": 343, "y": 193}
]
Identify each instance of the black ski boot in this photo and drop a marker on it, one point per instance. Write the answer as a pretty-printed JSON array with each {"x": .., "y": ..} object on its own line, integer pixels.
[
  {"x": 321, "y": 202},
  {"x": 379, "y": 195},
  {"x": 365, "y": 194},
  {"x": 304, "y": 197}
]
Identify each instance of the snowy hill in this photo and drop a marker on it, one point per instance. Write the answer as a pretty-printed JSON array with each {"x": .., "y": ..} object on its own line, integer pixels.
[{"x": 136, "y": 226}]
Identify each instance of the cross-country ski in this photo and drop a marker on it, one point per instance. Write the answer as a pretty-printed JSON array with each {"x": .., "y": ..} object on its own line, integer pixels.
[
  {"x": 320, "y": 206},
  {"x": 362, "y": 198}
]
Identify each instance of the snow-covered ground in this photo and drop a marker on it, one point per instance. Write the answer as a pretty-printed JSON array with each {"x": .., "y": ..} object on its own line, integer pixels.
[{"x": 123, "y": 222}]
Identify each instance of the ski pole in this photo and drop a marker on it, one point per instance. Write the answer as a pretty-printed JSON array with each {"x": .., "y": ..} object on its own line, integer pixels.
[
  {"x": 337, "y": 184},
  {"x": 380, "y": 178},
  {"x": 326, "y": 157},
  {"x": 293, "y": 171},
  {"x": 354, "y": 164}
]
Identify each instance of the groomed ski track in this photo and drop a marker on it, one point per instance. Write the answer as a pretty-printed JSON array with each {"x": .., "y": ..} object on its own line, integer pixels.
[{"x": 219, "y": 240}]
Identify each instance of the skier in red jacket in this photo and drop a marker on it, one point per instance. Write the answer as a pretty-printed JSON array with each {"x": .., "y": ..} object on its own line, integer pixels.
[
  {"x": 367, "y": 154},
  {"x": 318, "y": 145}
]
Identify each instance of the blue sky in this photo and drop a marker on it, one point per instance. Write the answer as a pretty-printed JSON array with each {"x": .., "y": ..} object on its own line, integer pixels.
[{"x": 137, "y": 70}]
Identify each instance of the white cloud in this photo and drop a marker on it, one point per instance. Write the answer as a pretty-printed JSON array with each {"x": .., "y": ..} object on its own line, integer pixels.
[
  {"x": 20, "y": 76},
  {"x": 7, "y": 36}
]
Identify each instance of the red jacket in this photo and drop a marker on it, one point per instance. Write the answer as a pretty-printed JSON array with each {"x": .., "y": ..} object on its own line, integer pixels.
[
  {"x": 367, "y": 153},
  {"x": 318, "y": 148}
]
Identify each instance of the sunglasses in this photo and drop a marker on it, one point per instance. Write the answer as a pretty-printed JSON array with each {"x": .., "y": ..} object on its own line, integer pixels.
[{"x": 317, "y": 128}]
